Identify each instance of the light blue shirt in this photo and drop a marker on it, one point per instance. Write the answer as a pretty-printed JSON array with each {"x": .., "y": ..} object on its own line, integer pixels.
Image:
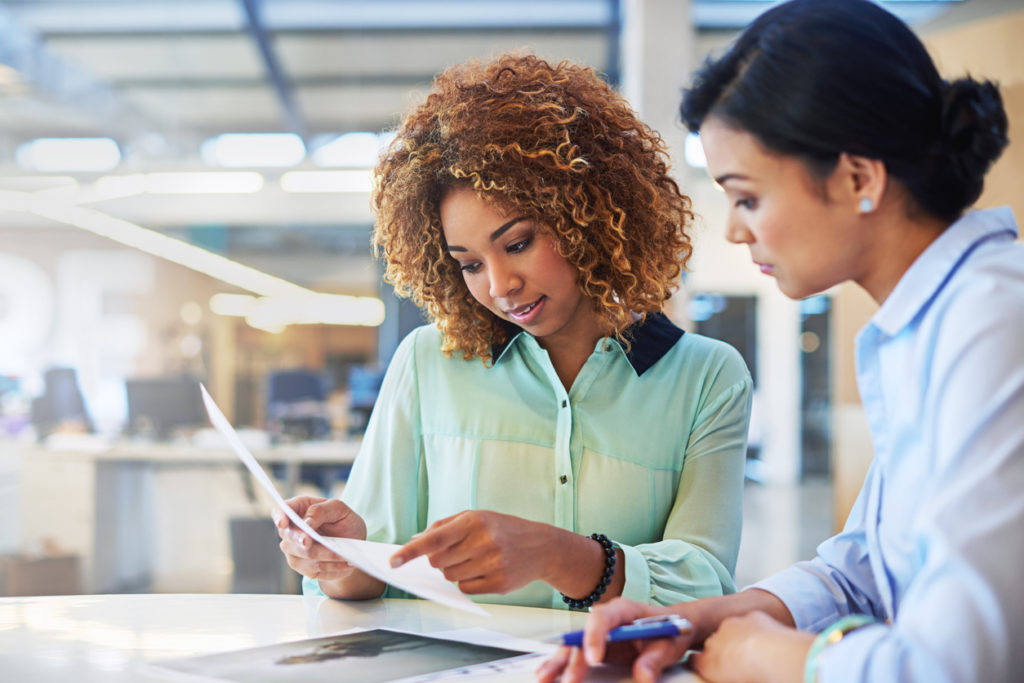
[
  {"x": 646, "y": 447},
  {"x": 935, "y": 540}
]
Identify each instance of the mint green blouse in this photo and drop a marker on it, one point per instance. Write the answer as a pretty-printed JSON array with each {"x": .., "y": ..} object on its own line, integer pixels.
[{"x": 647, "y": 447}]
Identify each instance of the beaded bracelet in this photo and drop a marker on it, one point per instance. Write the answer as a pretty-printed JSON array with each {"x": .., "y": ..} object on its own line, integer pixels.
[
  {"x": 606, "y": 578},
  {"x": 830, "y": 636}
]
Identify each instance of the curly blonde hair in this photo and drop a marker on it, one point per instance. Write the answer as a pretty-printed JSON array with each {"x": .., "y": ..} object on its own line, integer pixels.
[{"x": 555, "y": 144}]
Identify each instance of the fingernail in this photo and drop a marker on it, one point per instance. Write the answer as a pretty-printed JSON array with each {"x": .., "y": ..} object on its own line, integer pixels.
[
  {"x": 590, "y": 656},
  {"x": 397, "y": 562},
  {"x": 308, "y": 521}
]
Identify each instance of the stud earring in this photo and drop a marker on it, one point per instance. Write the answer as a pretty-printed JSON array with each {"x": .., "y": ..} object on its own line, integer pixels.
[{"x": 866, "y": 205}]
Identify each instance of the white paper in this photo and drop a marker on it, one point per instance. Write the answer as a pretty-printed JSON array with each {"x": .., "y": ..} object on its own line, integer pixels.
[
  {"x": 417, "y": 576},
  {"x": 517, "y": 667}
]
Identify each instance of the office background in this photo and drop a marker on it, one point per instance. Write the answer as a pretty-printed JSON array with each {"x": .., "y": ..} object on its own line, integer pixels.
[{"x": 184, "y": 197}]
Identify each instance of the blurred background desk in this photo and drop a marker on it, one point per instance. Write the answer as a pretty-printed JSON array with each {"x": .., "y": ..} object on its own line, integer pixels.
[
  {"x": 111, "y": 638},
  {"x": 150, "y": 517}
]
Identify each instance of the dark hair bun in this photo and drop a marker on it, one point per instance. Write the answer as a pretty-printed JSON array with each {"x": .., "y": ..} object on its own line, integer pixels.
[{"x": 973, "y": 136}]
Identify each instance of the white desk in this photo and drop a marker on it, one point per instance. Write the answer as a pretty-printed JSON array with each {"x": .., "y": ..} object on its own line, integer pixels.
[{"x": 110, "y": 638}]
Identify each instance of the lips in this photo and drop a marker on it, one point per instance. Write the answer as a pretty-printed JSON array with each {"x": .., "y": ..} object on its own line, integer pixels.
[{"x": 526, "y": 312}]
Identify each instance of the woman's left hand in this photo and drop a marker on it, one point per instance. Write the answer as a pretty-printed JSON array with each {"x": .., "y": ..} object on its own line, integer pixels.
[
  {"x": 484, "y": 551},
  {"x": 753, "y": 647}
]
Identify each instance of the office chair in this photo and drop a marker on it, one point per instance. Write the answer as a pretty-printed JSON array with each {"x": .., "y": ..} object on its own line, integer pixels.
[
  {"x": 61, "y": 403},
  {"x": 297, "y": 411}
]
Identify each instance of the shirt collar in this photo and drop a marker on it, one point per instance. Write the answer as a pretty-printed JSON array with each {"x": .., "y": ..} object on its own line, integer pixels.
[
  {"x": 933, "y": 268},
  {"x": 649, "y": 339}
]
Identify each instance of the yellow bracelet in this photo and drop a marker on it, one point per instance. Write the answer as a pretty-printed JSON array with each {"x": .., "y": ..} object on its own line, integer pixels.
[{"x": 830, "y": 636}]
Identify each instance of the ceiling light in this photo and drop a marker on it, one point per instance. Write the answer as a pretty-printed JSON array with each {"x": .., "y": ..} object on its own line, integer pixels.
[
  {"x": 273, "y": 313},
  {"x": 352, "y": 150},
  {"x": 327, "y": 181},
  {"x": 48, "y": 155},
  {"x": 248, "y": 150},
  {"x": 281, "y": 303},
  {"x": 162, "y": 246},
  {"x": 116, "y": 186},
  {"x": 239, "y": 305},
  {"x": 239, "y": 182}
]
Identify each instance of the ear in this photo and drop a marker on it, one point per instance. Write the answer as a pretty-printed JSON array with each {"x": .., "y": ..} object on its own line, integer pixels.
[{"x": 861, "y": 182}]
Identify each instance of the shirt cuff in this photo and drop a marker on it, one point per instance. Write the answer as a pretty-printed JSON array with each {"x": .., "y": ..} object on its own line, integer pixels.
[
  {"x": 311, "y": 587},
  {"x": 638, "y": 575},
  {"x": 805, "y": 605}
]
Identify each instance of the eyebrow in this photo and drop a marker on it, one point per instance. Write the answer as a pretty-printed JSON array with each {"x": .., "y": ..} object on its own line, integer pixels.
[
  {"x": 730, "y": 176},
  {"x": 494, "y": 235}
]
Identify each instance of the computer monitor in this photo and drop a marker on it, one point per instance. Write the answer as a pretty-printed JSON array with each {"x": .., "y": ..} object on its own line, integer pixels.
[{"x": 157, "y": 406}]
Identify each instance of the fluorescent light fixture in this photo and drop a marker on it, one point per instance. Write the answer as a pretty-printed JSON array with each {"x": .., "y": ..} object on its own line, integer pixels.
[
  {"x": 116, "y": 186},
  {"x": 248, "y": 150},
  {"x": 239, "y": 305},
  {"x": 237, "y": 182},
  {"x": 352, "y": 150},
  {"x": 273, "y": 313},
  {"x": 281, "y": 303},
  {"x": 162, "y": 246},
  {"x": 693, "y": 151},
  {"x": 49, "y": 155},
  {"x": 327, "y": 181}
]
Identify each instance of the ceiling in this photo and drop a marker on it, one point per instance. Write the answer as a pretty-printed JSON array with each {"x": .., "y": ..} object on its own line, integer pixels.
[{"x": 161, "y": 76}]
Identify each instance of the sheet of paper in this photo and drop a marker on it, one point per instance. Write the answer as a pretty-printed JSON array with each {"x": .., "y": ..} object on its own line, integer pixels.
[{"x": 416, "y": 577}]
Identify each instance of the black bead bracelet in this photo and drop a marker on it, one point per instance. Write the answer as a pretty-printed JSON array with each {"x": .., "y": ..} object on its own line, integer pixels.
[{"x": 606, "y": 578}]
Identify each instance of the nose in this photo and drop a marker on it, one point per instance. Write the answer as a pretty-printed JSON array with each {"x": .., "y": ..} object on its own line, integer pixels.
[
  {"x": 736, "y": 230},
  {"x": 503, "y": 280}
]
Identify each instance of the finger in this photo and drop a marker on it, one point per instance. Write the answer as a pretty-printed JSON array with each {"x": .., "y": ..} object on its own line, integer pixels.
[
  {"x": 320, "y": 570},
  {"x": 298, "y": 504},
  {"x": 655, "y": 657},
  {"x": 296, "y": 553},
  {"x": 549, "y": 670},
  {"x": 322, "y": 511},
  {"x": 281, "y": 520},
  {"x": 577, "y": 668},
  {"x": 295, "y": 543},
  {"x": 439, "y": 536},
  {"x": 696, "y": 661},
  {"x": 477, "y": 585},
  {"x": 603, "y": 618}
]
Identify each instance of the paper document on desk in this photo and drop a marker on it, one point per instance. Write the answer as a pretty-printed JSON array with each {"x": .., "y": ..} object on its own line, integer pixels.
[{"x": 417, "y": 577}]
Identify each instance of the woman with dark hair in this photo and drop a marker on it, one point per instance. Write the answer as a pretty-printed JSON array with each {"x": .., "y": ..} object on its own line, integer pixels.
[
  {"x": 552, "y": 439},
  {"x": 845, "y": 156}
]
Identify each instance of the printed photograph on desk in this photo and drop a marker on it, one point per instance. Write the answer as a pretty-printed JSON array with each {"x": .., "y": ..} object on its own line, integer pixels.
[{"x": 366, "y": 656}]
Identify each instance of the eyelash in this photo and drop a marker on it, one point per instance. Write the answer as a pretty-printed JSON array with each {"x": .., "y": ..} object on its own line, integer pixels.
[
  {"x": 746, "y": 203},
  {"x": 513, "y": 248},
  {"x": 520, "y": 246}
]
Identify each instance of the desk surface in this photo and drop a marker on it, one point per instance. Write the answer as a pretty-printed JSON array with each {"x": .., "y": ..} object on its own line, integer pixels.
[{"x": 108, "y": 638}]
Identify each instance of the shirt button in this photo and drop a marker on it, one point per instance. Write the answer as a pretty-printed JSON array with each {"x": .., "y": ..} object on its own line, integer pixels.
[
  {"x": 563, "y": 479},
  {"x": 563, "y": 403}
]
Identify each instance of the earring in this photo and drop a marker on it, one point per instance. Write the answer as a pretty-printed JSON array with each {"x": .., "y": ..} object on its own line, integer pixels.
[{"x": 866, "y": 205}]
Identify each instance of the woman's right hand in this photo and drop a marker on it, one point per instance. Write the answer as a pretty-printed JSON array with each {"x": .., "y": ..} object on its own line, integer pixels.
[
  {"x": 647, "y": 657},
  {"x": 329, "y": 517}
]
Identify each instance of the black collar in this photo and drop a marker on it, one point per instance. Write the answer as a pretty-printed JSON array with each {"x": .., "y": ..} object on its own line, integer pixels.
[{"x": 649, "y": 341}]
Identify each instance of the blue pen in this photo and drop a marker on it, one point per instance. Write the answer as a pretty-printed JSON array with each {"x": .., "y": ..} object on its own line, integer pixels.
[{"x": 664, "y": 626}]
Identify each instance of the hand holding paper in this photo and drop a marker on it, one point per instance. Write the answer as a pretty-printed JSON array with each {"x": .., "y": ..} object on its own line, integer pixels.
[
  {"x": 416, "y": 577},
  {"x": 330, "y": 517}
]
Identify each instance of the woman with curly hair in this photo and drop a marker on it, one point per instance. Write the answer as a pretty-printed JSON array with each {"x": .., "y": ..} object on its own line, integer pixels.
[{"x": 551, "y": 439}]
